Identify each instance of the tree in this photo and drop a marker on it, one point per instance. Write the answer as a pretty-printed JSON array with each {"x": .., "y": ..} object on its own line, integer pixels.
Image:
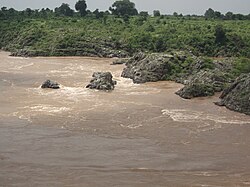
[
  {"x": 156, "y": 13},
  {"x": 123, "y": 8},
  {"x": 229, "y": 16},
  {"x": 81, "y": 6},
  {"x": 175, "y": 14},
  {"x": 144, "y": 14},
  {"x": 218, "y": 14},
  {"x": 210, "y": 13},
  {"x": 64, "y": 10},
  {"x": 220, "y": 34},
  {"x": 98, "y": 14},
  {"x": 28, "y": 12}
]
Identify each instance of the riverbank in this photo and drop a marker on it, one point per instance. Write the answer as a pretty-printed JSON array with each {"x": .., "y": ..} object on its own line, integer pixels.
[{"x": 201, "y": 76}]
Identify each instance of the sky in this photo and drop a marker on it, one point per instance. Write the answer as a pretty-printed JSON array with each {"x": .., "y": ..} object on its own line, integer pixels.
[{"x": 165, "y": 6}]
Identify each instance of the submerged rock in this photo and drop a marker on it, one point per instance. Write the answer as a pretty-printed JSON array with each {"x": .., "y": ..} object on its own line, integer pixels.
[
  {"x": 147, "y": 68},
  {"x": 237, "y": 96},
  {"x": 102, "y": 81},
  {"x": 50, "y": 84}
]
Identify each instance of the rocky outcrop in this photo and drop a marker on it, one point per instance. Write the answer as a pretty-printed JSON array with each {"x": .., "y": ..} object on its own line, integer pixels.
[
  {"x": 195, "y": 90},
  {"x": 237, "y": 96},
  {"x": 86, "y": 48},
  {"x": 201, "y": 76},
  {"x": 147, "y": 68},
  {"x": 50, "y": 84},
  {"x": 102, "y": 81},
  {"x": 203, "y": 83}
]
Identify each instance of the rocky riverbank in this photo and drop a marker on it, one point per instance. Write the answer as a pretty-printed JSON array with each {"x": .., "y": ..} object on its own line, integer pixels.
[
  {"x": 90, "y": 52},
  {"x": 201, "y": 76}
]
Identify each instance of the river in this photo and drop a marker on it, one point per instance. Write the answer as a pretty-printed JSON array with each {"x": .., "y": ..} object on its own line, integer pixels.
[{"x": 135, "y": 136}]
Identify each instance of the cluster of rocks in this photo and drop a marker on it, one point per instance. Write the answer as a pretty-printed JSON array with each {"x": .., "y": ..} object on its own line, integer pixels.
[
  {"x": 204, "y": 83},
  {"x": 147, "y": 68},
  {"x": 50, "y": 84},
  {"x": 86, "y": 47},
  {"x": 200, "y": 78},
  {"x": 237, "y": 96},
  {"x": 102, "y": 81}
]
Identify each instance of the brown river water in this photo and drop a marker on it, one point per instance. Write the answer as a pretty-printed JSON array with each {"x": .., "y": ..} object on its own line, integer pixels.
[{"x": 135, "y": 136}]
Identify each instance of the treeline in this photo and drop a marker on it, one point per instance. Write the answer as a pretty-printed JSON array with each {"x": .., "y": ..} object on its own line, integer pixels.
[
  {"x": 211, "y": 14},
  {"x": 120, "y": 8}
]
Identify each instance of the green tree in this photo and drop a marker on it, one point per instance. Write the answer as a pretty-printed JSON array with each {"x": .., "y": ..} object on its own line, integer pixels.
[
  {"x": 229, "y": 16},
  {"x": 156, "y": 13},
  {"x": 81, "y": 6},
  {"x": 144, "y": 14},
  {"x": 175, "y": 14},
  {"x": 217, "y": 14},
  {"x": 123, "y": 8},
  {"x": 64, "y": 10},
  {"x": 98, "y": 14},
  {"x": 209, "y": 13},
  {"x": 28, "y": 12},
  {"x": 220, "y": 34}
]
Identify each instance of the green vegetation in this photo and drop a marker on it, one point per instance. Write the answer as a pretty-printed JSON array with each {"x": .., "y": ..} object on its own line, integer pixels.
[
  {"x": 242, "y": 65},
  {"x": 65, "y": 32}
]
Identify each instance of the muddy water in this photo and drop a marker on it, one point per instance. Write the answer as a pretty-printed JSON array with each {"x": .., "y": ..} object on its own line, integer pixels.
[{"x": 137, "y": 135}]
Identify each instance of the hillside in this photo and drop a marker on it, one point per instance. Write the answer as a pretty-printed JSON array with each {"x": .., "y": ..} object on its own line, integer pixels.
[{"x": 113, "y": 36}]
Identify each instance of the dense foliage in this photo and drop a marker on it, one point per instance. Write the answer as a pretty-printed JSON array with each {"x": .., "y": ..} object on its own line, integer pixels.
[{"x": 66, "y": 32}]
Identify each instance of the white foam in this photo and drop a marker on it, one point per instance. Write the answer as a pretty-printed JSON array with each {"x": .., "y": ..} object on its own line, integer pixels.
[
  {"x": 70, "y": 93},
  {"x": 131, "y": 126},
  {"x": 19, "y": 67},
  {"x": 46, "y": 108},
  {"x": 181, "y": 115}
]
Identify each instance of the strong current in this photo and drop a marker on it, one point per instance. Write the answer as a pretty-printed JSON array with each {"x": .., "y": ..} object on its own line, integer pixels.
[{"x": 136, "y": 136}]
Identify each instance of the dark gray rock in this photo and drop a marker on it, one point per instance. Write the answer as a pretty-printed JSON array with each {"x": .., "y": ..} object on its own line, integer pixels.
[
  {"x": 147, "y": 68},
  {"x": 50, "y": 84},
  {"x": 102, "y": 81},
  {"x": 203, "y": 83},
  {"x": 196, "y": 90},
  {"x": 237, "y": 96},
  {"x": 120, "y": 61}
]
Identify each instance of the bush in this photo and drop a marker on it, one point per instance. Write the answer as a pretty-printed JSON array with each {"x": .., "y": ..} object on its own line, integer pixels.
[{"x": 242, "y": 65}]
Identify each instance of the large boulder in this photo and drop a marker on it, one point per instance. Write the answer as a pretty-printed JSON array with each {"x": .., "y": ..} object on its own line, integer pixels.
[
  {"x": 195, "y": 90},
  {"x": 102, "y": 81},
  {"x": 203, "y": 83},
  {"x": 50, "y": 84},
  {"x": 237, "y": 96},
  {"x": 147, "y": 68}
]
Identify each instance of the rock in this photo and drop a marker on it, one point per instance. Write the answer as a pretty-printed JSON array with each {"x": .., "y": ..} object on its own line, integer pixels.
[
  {"x": 237, "y": 96},
  {"x": 102, "y": 81},
  {"x": 21, "y": 52},
  {"x": 50, "y": 84},
  {"x": 120, "y": 61},
  {"x": 204, "y": 83},
  {"x": 147, "y": 68},
  {"x": 195, "y": 90}
]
